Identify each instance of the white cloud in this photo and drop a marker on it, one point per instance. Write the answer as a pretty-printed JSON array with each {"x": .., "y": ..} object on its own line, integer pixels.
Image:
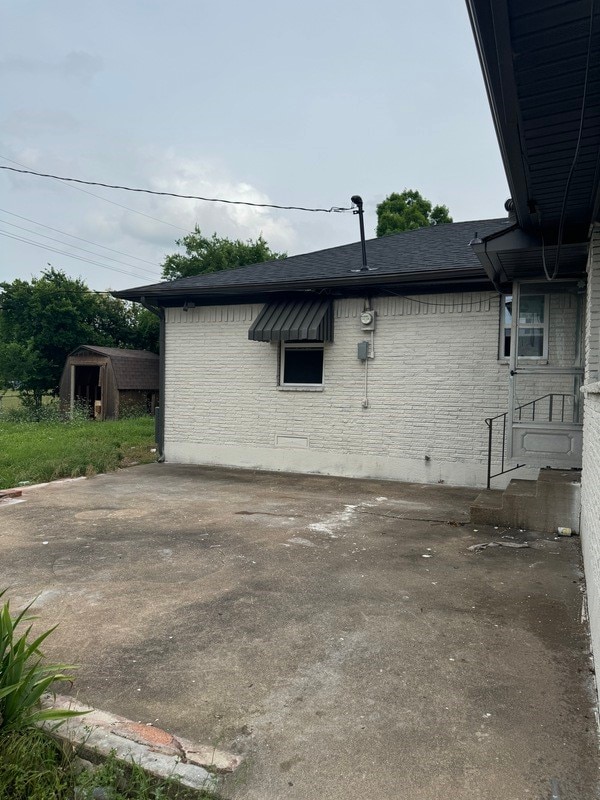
[
  {"x": 151, "y": 233},
  {"x": 170, "y": 173}
]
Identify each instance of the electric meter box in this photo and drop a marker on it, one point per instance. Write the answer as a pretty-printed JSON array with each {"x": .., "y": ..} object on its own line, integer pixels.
[
  {"x": 363, "y": 351},
  {"x": 367, "y": 320}
]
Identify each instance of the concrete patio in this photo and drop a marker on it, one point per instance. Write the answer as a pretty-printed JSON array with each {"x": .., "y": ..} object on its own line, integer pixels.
[{"x": 337, "y": 633}]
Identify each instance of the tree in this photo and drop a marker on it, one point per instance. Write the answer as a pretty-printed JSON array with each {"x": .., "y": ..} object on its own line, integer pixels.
[
  {"x": 43, "y": 320},
  {"x": 407, "y": 212},
  {"x": 145, "y": 329},
  {"x": 204, "y": 255}
]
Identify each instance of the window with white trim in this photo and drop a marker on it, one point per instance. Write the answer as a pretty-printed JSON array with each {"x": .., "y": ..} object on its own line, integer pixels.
[
  {"x": 301, "y": 364},
  {"x": 533, "y": 326}
]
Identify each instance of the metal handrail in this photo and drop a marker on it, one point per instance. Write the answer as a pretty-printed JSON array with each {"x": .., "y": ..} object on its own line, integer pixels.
[
  {"x": 551, "y": 395},
  {"x": 489, "y": 421}
]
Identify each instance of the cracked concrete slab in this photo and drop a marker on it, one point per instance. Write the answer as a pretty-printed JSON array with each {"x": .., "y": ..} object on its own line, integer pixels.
[{"x": 294, "y": 620}]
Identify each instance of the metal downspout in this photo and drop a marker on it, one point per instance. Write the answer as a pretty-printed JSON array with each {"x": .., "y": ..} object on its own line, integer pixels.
[{"x": 160, "y": 433}]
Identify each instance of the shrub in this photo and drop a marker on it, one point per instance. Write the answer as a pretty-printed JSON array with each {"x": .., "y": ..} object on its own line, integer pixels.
[{"x": 24, "y": 677}]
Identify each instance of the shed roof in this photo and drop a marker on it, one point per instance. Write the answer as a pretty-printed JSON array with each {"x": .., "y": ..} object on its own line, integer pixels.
[
  {"x": 133, "y": 369},
  {"x": 437, "y": 252}
]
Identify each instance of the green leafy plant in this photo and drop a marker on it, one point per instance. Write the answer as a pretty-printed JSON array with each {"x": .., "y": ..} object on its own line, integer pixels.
[{"x": 24, "y": 675}]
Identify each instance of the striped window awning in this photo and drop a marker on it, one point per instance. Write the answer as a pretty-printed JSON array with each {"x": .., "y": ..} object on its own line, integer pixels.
[{"x": 293, "y": 321}]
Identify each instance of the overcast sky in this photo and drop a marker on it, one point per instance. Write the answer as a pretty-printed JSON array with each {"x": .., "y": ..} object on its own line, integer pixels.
[{"x": 301, "y": 103}]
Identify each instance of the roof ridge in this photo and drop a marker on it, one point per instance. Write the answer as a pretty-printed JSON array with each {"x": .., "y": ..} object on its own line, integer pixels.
[{"x": 388, "y": 236}]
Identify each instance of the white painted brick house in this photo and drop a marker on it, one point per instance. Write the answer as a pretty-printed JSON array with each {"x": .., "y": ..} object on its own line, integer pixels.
[
  {"x": 227, "y": 403},
  {"x": 402, "y": 394}
]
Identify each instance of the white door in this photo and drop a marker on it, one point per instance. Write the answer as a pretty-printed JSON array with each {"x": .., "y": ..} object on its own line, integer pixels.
[{"x": 545, "y": 374}]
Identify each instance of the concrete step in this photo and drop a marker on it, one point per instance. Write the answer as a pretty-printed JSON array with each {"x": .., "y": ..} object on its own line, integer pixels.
[
  {"x": 560, "y": 476},
  {"x": 491, "y": 498},
  {"x": 487, "y": 507},
  {"x": 551, "y": 501},
  {"x": 521, "y": 488}
]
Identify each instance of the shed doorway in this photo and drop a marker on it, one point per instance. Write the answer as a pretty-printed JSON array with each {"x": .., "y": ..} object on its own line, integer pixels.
[{"x": 86, "y": 388}]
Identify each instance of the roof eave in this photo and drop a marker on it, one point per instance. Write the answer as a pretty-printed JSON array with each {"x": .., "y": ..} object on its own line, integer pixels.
[
  {"x": 372, "y": 279},
  {"x": 491, "y": 30}
]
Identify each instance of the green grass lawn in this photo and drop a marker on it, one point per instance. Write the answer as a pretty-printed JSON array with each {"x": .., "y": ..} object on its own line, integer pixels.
[{"x": 44, "y": 451}]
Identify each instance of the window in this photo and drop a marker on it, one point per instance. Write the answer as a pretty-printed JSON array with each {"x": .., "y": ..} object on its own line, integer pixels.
[
  {"x": 533, "y": 326},
  {"x": 301, "y": 364}
]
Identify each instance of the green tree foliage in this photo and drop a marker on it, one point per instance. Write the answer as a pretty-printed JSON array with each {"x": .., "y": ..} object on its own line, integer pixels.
[
  {"x": 145, "y": 329},
  {"x": 204, "y": 255},
  {"x": 407, "y": 212},
  {"x": 41, "y": 321}
]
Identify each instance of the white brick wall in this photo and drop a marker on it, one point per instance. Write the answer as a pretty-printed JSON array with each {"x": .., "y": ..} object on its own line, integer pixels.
[
  {"x": 434, "y": 379},
  {"x": 590, "y": 482},
  {"x": 592, "y": 328}
]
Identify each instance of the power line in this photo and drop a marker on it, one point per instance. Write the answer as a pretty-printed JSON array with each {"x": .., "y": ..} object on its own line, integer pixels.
[
  {"x": 70, "y": 255},
  {"x": 77, "y": 292},
  {"x": 332, "y": 209},
  {"x": 106, "y": 200},
  {"x": 142, "y": 272},
  {"x": 79, "y": 238}
]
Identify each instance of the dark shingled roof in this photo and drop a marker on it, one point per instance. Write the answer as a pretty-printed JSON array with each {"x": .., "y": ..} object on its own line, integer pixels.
[
  {"x": 440, "y": 251},
  {"x": 133, "y": 369}
]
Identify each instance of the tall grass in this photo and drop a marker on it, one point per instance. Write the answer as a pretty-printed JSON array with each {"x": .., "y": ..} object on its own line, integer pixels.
[
  {"x": 34, "y": 452},
  {"x": 33, "y": 767}
]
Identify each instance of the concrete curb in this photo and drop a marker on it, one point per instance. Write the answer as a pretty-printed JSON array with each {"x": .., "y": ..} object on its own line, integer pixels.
[
  {"x": 9, "y": 497},
  {"x": 161, "y": 754},
  {"x": 27, "y": 487}
]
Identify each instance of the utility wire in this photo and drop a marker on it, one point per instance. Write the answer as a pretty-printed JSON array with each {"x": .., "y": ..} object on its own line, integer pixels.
[
  {"x": 427, "y": 303},
  {"x": 70, "y": 255},
  {"x": 105, "y": 199},
  {"x": 332, "y": 209},
  {"x": 79, "y": 238},
  {"x": 143, "y": 272}
]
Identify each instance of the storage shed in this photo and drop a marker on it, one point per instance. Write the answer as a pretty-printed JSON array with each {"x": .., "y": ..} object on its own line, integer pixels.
[{"x": 109, "y": 381}]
